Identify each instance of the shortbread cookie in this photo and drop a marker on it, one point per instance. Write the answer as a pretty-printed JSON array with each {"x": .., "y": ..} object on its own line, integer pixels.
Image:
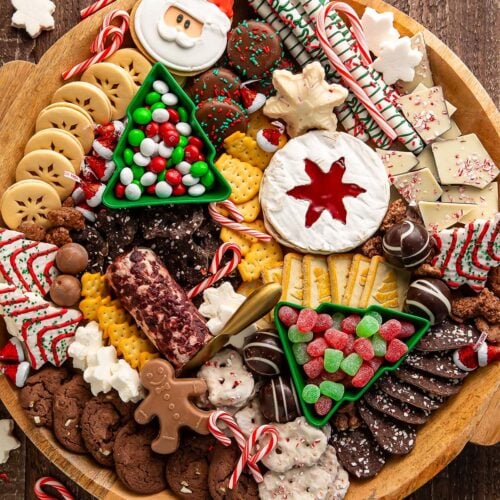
[
  {"x": 69, "y": 105},
  {"x": 338, "y": 268},
  {"x": 34, "y": 16},
  {"x": 316, "y": 281},
  {"x": 358, "y": 275},
  {"x": 133, "y": 62},
  {"x": 293, "y": 279}
]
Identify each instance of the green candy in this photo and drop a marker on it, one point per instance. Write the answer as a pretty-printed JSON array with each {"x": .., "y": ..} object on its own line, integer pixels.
[
  {"x": 376, "y": 315},
  {"x": 295, "y": 336},
  {"x": 128, "y": 156},
  {"x": 137, "y": 171},
  {"x": 183, "y": 114},
  {"x": 379, "y": 345},
  {"x": 300, "y": 353},
  {"x": 199, "y": 169},
  {"x": 332, "y": 390},
  {"x": 158, "y": 105},
  {"x": 161, "y": 176},
  {"x": 142, "y": 116},
  {"x": 367, "y": 327},
  {"x": 170, "y": 163},
  {"x": 208, "y": 179},
  {"x": 135, "y": 137},
  {"x": 351, "y": 364},
  {"x": 337, "y": 319},
  {"x": 311, "y": 393},
  {"x": 332, "y": 360},
  {"x": 183, "y": 141},
  {"x": 153, "y": 98},
  {"x": 177, "y": 155}
]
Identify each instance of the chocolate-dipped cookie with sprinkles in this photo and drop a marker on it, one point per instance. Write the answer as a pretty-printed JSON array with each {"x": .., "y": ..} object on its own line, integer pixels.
[
  {"x": 278, "y": 400},
  {"x": 263, "y": 353},
  {"x": 214, "y": 83},
  {"x": 429, "y": 298}
]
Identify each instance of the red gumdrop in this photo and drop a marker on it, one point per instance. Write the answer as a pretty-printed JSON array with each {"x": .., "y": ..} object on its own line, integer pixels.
[
  {"x": 323, "y": 406},
  {"x": 151, "y": 189},
  {"x": 336, "y": 339},
  {"x": 317, "y": 347},
  {"x": 191, "y": 153},
  {"x": 350, "y": 323},
  {"x": 173, "y": 116},
  {"x": 157, "y": 164},
  {"x": 288, "y": 315},
  {"x": 395, "y": 350},
  {"x": 314, "y": 367},
  {"x": 332, "y": 377},
  {"x": 364, "y": 348},
  {"x": 407, "y": 330},
  {"x": 119, "y": 190},
  {"x": 375, "y": 363},
  {"x": 179, "y": 190},
  {"x": 306, "y": 320},
  {"x": 152, "y": 129},
  {"x": 390, "y": 329},
  {"x": 323, "y": 322},
  {"x": 173, "y": 177},
  {"x": 196, "y": 141},
  {"x": 364, "y": 375},
  {"x": 349, "y": 347},
  {"x": 347, "y": 381}
]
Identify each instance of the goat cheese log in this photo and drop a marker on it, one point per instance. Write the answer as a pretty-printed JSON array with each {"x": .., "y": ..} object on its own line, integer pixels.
[{"x": 159, "y": 305}]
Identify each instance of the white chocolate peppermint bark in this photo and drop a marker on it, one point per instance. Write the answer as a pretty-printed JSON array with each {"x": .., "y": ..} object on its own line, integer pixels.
[
  {"x": 423, "y": 73},
  {"x": 398, "y": 162},
  {"x": 449, "y": 106},
  {"x": 417, "y": 186},
  {"x": 438, "y": 216},
  {"x": 486, "y": 200}
]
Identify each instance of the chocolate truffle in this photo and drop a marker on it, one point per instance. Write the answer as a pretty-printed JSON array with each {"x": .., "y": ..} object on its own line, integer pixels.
[
  {"x": 72, "y": 258},
  {"x": 407, "y": 244},
  {"x": 278, "y": 400},
  {"x": 263, "y": 353},
  {"x": 430, "y": 299},
  {"x": 65, "y": 290}
]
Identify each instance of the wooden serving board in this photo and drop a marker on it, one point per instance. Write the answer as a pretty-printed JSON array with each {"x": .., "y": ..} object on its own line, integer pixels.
[{"x": 472, "y": 415}]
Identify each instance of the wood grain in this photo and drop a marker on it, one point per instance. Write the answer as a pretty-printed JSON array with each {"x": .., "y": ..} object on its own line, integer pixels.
[{"x": 475, "y": 43}]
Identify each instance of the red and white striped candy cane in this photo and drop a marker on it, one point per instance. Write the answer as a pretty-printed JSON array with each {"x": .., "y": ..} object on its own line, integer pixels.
[
  {"x": 54, "y": 483},
  {"x": 347, "y": 77},
  {"x": 247, "y": 458},
  {"x": 235, "y": 223},
  {"x": 217, "y": 273},
  {"x": 93, "y": 8},
  {"x": 98, "y": 48}
]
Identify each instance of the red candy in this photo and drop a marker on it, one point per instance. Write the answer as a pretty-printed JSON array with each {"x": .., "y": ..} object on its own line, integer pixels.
[
  {"x": 323, "y": 322},
  {"x": 336, "y": 339},
  {"x": 173, "y": 177},
  {"x": 179, "y": 190},
  {"x": 173, "y": 116},
  {"x": 172, "y": 139},
  {"x": 157, "y": 164},
  {"x": 195, "y": 141},
  {"x": 306, "y": 320},
  {"x": 119, "y": 190},
  {"x": 314, "y": 368},
  {"x": 317, "y": 347},
  {"x": 288, "y": 315},
  {"x": 152, "y": 129},
  {"x": 201, "y": 157},
  {"x": 375, "y": 363},
  {"x": 350, "y": 323},
  {"x": 364, "y": 348},
  {"x": 395, "y": 350},
  {"x": 349, "y": 347},
  {"x": 191, "y": 153},
  {"x": 407, "y": 330},
  {"x": 151, "y": 189},
  {"x": 323, "y": 406},
  {"x": 324, "y": 375},
  {"x": 364, "y": 375},
  {"x": 390, "y": 329}
]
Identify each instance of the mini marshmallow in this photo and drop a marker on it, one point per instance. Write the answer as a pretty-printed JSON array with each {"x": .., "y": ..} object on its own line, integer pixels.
[
  {"x": 88, "y": 339},
  {"x": 125, "y": 380}
]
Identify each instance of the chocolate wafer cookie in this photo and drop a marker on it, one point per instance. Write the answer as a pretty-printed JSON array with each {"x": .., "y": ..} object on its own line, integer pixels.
[
  {"x": 441, "y": 365},
  {"x": 391, "y": 407},
  {"x": 358, "y": 453},
  {"x": 433, "y": 385},
  {"x": 392, "y": 436},
  {"x": 448, "y": 335}
]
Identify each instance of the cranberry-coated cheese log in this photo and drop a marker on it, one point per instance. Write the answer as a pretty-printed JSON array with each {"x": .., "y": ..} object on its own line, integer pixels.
[{"x": 159, "y": 305}]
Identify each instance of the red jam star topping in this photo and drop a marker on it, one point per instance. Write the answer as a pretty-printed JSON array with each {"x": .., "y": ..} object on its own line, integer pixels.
[{"x": 326, "y": 191}]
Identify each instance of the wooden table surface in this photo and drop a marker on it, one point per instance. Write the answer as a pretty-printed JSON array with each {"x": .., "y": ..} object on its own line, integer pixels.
[{"x": 468, "y": 27}]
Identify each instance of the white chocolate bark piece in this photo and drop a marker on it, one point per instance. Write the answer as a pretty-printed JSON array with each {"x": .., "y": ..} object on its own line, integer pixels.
[
  {"x": 426, "y": 160},
  {"x": 464, "y": 161},
  {"x": 427, "y": 112},
  {"x": 486, "y": 200},
  {"x": 423, "y": 73},
  {"x": 417, "y": 186},
  {"x": 397, "y": 162},
  {"x": 449, "y": 106},
  {"x": 439, "y": 216},
  {"x": 453, "y": 133}
]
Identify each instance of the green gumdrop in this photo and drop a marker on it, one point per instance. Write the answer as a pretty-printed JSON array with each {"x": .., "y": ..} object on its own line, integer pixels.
[
  {"x": 128, "y": 156},
  {"x": 379, "y": 345},
  {"x": 153, "y": 98},
  {"x": 296, "y": 336},
  {"x": 137, "y": 171},
  {"x": 177, "y": 155},
  {"x": 311, "y": 393},
  {"x": 376, "y": 315},
  {"x": 332, "y": 360},
  {"x": 183, "y": 141},
  {"x": 199, "y": 169},
  {"x": 183, "y": 114},
  {"x": 367, "y": 327},
  {"x": 337, "y": 319},
  {"x": 158, "y": 105},
  {"x": 300, "y": 353},
  {"x": 332, "y": 390},
  {"x": 351, "y": 364},
  {"x": 135, "y": 137},
  {"x": 142, "y": 116},
  {"x": 208, "y": 179}
]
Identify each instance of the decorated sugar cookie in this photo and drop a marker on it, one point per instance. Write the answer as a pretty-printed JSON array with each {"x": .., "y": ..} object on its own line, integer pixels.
[{"x": 188, "y": 36}]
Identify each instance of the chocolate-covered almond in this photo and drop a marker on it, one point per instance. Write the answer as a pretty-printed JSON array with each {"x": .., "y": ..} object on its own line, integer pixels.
[
  {"x": 72, "y": 258},
  {"x": 65, "y": 290}
]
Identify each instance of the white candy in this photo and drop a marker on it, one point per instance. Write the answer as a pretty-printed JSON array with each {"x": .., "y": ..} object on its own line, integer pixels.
[
  {"x": 141, "y": 160},
  {"x": 126, "y": 176},
  {"x": 148, "y": 179},
  {"x": 184, "y": 128},
  {"x": 161, "y": 115},
  {"x": 189, "y": 180},
  {"x": 87, "y": 341},
  {"x": 197, "y": 190},
  {"x": 133, "y": 192},
  {"x": 125, "y": 380},
  {"x": 183, "y": 167},
  {"x": 169, "y": 99},
  {"x": 7, "y": 440},
  {"x": 149, "y": 147},
  {"x": 164, "y": 150},
  {"x": 160, "y": 86},
  {"x": 163, "y": 190}
]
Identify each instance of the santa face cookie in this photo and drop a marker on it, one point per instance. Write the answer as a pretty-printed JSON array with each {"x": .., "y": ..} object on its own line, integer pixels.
[
  {"x": 324, "y": 192},
  {"x": 188, "y": 36}
]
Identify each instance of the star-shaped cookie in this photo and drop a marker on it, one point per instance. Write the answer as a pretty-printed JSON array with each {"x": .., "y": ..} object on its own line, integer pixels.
[
  {"x": 7, "y": 440},
  {"x": 378, "y": 28},
  {"x": 305, "y": 101}
]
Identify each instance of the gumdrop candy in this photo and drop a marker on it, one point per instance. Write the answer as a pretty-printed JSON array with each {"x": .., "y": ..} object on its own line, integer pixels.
[
  {"x": 332, "y": 390},
  {"x": 364, "y": 348},
  {"x": 375, "y": 315},
  {"x": 323, "y": 406},
  {"x": 306, "y": 320},
  {"x": 349, "y": 347},
  {"x": 323, "y": 322},
  {"x": 332, "y": 359},
  {"x": 395, "y": 350},
  {"x": 379, "y": 345},
  {"x": 367, "y": 327},
  {"x": 336, "y": 339},
  {"x": 317, "y": 347},
  {"x": 351, "y": 364},
  {"x": 311, "y": 393},
  {"x": 364, "y": 375},
  {"x": 375, "y": 363},
  {"x": 296, "y": 336},
  {"x": 337, "y": 319},
  {"x": 324, "y": 375},
  {"x": 407, "y": 330},
  {"x": 314, "y": 367},
  {"x": 288, "y": 315},
  {"x": 390, "y": 329},
  {"x": 300, "y": 353},
  {"x": 350, "y": 323}
]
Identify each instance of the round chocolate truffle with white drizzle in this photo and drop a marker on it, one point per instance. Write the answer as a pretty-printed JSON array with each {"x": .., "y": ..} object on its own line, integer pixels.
[
  {"x": 430, "y": 299},
  {"x": 278, "y": 400},
  {"x": 263, "y": 353},
  {"x": 407, "y": 244}
]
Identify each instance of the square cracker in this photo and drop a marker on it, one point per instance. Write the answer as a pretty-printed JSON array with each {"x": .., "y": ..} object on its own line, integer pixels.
[
  {"x": 260, "y": 256},
  {"x": 242, "y": 240},
  {"x": 245, "y": 148},
  {"x": 250, "y": 210}
]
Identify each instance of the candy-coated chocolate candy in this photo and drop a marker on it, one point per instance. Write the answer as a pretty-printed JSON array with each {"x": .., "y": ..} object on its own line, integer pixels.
[
  {"x": 119, "y": 190},
  {"x": 126, "y": 176},
  {"x": 148, "y": 179},
  {"x": 133, "y": 191},
  {"x": 191, "y": 153},
  {"x": 323, "y": 322},
  {"x": 148, "y": 147},
  {"x": 332, "y": 390},
  {"x": 337, "y": 319},
  {"x": 179, "y": 190},
  {"x": 288, "y": 315},
  {"x": 128, "y": 156},
  {"x": 177, "y": 155},
  {"x": 196, "y": 190},
  {"x": 300, "y": 353},
  {"x": 364, "y": 375},
  {"x": 184, "y": 128},
  {"x": 137, "y": 172},
  {"x": 188, "y": 180},
  {"x": 351, "y": 364},
  {"x": 367, "y": 327},
  {"x": 65, "y": 290},
  {"x": 160, "y": 86},
  {"x": 349, "y": 324},
  {"x": 169, "y": 99},
  {"x": 161, "y": 115},
  {"x": 173, "y": 177},
  {"x": 157, "y": 105},
  {"x": 174, "y": 116},
  {"x": 157, "y": 164},
  {"x": 152, "y": 129},
  {"x": 332, "y": 359},
  {"x": 72, "y": 258},
  {"x": 311, "y": 393},
  {"x": 171, "y": 138},
  {"x": 152, "y": 98},
  {"x": 163, "y": 190},
  {"x": 379, "y": 345},
  {"x": 183, "y": 141},
  {"x": 135, "y": 137},
  {"x": 164, "y": 151},
  {"x": 263, "y": 353},
  {"x": 396, "y": 349},
  {"x": 160, "y": 176},
  {"x": 141, "y": 160},
  {"x": 151, "y": 190},
  {"x": 183, "y": 114},
  {"x": 142, "y": 116},
  {"x": 296, "y": 336},
  {"x": 364, "y": 348},
  {"x": 208, "y": 179},
  {"x": 183, "y": 167},
  {"x": 196, "y": 141},
  {"x": 166, "y": 127},
  {"x": 199, "y": 169},
  {"x": 306, "y": 320},
  {"x": 278, "y": 400}
]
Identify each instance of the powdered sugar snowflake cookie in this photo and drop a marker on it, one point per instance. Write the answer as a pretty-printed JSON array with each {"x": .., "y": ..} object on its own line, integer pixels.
[
  {"x": 378, "y": 28},
  {"x": 34, "y": 16}
]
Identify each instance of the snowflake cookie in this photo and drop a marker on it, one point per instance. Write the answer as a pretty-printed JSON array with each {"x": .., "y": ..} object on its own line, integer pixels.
[{"x": 33, "y": 15}]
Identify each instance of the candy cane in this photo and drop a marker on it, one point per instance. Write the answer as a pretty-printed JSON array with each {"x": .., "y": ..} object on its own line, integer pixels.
[
  {"x": 93, "y": 8},
  {"x": 53, "y": 483},
  {"x": 98, "y": 47},
  {"x": 217, "y": 273},
  {"x": 235, "y": 224}
]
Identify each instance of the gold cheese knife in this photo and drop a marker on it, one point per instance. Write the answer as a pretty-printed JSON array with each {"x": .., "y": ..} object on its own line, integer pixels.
[{"x": 257, "y": 305}]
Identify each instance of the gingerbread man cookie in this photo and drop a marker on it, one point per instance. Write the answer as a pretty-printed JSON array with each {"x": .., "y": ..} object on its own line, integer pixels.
[{"x": 168, "y": 399}]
